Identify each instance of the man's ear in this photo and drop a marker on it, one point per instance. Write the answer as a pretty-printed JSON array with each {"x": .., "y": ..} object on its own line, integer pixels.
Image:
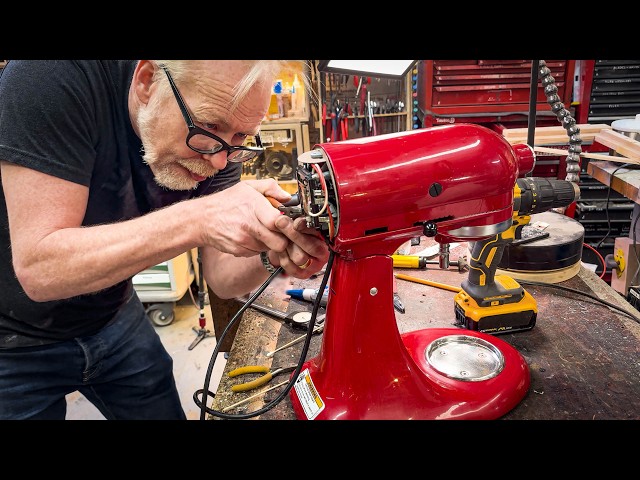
[{"x": 143, "y": 80}]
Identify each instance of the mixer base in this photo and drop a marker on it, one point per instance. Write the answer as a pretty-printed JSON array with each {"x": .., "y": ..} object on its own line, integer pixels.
[{"x": 482, "y": 378}]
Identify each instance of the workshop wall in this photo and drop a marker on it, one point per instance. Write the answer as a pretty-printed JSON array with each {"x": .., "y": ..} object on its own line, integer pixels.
[{"x": 354, "y": 107}]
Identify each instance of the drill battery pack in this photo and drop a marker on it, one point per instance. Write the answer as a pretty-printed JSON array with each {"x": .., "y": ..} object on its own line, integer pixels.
[{"x": 497, "y": 318}]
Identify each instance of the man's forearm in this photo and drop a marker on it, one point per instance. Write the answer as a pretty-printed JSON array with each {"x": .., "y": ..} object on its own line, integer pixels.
[
  {"x": 75, "y": 261},
  {"x": 230, "y": 276}
]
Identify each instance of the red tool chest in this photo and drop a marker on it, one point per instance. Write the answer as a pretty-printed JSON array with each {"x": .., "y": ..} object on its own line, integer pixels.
[
  {"x": 610, "y": 90},
  {"x": 482, "y": 91}
]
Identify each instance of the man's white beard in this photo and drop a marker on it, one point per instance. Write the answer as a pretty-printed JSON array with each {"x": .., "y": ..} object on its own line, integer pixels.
[{"x": 165, "y": 170}]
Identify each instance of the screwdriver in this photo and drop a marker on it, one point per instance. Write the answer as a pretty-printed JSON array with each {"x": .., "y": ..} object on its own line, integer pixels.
[
  {"x": 409, "y": 261},
  {"x": 397, "y": 301},
  {"x": 416, "y": 261}
]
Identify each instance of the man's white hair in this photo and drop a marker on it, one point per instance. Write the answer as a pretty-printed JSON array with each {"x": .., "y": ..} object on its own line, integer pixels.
[{"x": 258, "y": 72}]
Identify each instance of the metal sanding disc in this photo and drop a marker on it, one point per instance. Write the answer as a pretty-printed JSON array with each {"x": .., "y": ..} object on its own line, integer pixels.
[{"x": 561, "y": 250}]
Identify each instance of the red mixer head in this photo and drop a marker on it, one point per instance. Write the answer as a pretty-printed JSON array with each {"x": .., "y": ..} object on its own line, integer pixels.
[{"x": 454, "y": 182}]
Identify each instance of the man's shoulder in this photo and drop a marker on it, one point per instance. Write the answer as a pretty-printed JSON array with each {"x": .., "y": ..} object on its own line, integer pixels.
[{"x": 70, "y": 73}]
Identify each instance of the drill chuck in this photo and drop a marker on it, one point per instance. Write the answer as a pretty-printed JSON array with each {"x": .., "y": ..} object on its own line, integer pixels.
[{"x": 539, "y": 195}]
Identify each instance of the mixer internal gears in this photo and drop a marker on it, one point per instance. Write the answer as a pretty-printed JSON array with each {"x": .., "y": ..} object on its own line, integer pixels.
[{"x": 317, "y": 197}]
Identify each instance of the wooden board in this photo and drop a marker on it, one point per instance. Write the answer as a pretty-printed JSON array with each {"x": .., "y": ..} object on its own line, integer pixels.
[
  {"x": 626, "y": 181},
  {"x": 553, "y": 135},
  {"x": 256, "y": 335},
  {"x": 620, "y": 143},
  {"x": 594, "y": 156}
]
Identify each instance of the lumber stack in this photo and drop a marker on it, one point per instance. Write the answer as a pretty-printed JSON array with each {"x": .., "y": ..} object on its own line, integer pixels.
[
  {"x": 620, "y": 143},
  {"x": 626, "y": 147},
  {"x": 553, "y": 135}
]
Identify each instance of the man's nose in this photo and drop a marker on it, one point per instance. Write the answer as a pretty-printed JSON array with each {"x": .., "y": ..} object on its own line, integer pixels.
[{"x": 218, "y": 160}]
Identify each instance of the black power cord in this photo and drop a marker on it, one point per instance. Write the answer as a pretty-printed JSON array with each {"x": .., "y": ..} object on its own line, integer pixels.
[
  {"x": 607, "y": 205},
  {"x": 588, "y": 295},
  {"x": 202, "y": 403}
]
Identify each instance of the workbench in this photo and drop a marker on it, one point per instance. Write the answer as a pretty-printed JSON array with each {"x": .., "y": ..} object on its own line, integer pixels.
[
  {"x": 624, "y": 180},
  {"x": 582, "y": 355}
]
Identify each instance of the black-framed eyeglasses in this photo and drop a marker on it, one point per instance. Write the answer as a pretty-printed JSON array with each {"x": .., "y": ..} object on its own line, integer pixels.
[{"x": 201, "y": 141}]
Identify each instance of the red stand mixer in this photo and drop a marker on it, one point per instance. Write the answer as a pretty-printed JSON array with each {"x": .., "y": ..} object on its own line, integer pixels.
[{"x": 367, "y": 197}]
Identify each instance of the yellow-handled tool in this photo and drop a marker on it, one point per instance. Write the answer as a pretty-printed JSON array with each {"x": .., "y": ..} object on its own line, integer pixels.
[
  {"x": 269, "y": 374},
  {"x": 417, "y": 261},
  {"x": 409, "y": 261}
]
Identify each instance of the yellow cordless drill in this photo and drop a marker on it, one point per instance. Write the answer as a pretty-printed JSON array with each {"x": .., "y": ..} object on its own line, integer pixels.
[{"x": 497, "y": 304}]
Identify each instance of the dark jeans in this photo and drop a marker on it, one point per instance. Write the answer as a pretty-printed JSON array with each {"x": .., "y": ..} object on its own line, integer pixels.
[{"x": 124, "y": 370}]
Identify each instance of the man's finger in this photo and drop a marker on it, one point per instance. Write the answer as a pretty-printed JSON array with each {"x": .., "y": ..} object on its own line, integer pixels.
[
  {"x": 270, "y": 188},
  {"x": 283, "y": 223}
]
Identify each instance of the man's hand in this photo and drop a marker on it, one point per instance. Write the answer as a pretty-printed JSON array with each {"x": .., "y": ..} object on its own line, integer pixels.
[
  {"x": 269, "y": 188},
  {"x": 241, "y": 221},
  {"x": 250, "y": 225},
  {"x": 306, "y": 253}
]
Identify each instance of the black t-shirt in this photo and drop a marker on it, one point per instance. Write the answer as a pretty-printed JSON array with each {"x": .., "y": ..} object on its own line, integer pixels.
[{"x": 70, "y": 119}]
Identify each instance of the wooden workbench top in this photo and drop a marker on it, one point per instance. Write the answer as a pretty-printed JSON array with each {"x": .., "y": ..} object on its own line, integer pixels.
[
  {"x": 582, "y": 355},
  {"x": 623, "y": 179}
]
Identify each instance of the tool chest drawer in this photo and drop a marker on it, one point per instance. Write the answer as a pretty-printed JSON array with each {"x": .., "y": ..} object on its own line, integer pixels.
[
  {"x": 480, "y": 74},
  {"x": 487, "y": 95},
  {"x": 473, "y": 88},
  {"x": 615, "y": 90},
  {"x": 609, "y": 90}
]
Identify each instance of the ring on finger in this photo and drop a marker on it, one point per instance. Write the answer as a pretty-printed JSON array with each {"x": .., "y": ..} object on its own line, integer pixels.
[{"x": 305, "y": 265}]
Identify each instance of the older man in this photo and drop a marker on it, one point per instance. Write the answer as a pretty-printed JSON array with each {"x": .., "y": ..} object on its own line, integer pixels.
[{"x": 108, "y": 168}]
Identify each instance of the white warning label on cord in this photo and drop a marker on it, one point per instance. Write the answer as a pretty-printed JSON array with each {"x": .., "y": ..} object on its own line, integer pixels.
[{"x": 308, "y": 396}]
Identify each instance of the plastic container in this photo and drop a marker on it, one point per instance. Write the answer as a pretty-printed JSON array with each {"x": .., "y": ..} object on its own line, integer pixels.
[
  {"x": 162, "y": 285},
  {"x": 628, "y": 126}
]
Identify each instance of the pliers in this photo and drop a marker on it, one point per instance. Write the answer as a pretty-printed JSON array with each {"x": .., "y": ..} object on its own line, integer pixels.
[
  {"x": 292, "y": 211},
  {"x": 269, "y": 374},
  {"x": 291, "y": 208}
]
